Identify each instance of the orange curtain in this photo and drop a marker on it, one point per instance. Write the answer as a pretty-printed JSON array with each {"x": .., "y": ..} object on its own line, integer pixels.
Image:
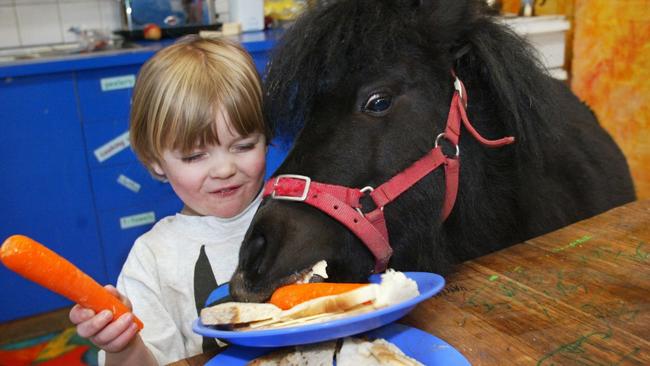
[{"x": 611, "y": 73}]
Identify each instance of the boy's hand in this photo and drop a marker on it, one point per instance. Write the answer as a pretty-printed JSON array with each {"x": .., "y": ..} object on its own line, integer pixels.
[{"x": 98, "y": 328}]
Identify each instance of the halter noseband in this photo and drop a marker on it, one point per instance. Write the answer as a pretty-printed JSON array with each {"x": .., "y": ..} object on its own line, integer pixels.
[{"x": 343, "y": 203}]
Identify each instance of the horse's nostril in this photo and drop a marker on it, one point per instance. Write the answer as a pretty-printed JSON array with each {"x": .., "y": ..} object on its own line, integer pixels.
[{"x": 257, "y": 246}]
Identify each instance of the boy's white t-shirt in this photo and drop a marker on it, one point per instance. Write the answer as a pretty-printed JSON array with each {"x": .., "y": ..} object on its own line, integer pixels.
[{"x": 158, "y": 277}]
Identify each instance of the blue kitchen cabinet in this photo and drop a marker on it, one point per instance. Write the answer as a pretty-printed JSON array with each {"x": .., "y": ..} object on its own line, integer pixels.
[
  {"x": 45, "y": 190},
  {"x": 127, "y": 199},
  {"x": 120, "y": 237},
  {"x": 126, "y": 185},
  {"x": 105, "y": 93},
  {"x": 99, "y": 134}
]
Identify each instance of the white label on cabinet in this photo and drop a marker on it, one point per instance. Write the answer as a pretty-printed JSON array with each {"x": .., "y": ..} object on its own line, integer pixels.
[
  {"x": 117, "y": 82},
  {"x": 144, "y": 218},
  {"x": 129, "y": 183},
  {"x": 112, "y": 147}
]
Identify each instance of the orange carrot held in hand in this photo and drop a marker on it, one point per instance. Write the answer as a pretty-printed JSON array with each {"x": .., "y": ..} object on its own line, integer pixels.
[
  {"x": 41, "y": 265},
  {"x": 289, "y": 296}
]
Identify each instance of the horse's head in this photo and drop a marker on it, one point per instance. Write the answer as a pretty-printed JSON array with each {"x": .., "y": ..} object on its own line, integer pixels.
[{"x": 368, "y": 86}]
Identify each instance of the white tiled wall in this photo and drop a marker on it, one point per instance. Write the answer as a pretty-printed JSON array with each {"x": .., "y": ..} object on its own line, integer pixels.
[
  {"x": 34, "y": 22},
  {"x": 223, "y": 10}
]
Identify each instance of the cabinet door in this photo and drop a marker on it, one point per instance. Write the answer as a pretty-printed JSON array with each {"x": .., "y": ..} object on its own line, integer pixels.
[
  {"x": 121, "y": 227},
  {"x": 105, "y": 94},
  {"x": 45, "y": 187}
]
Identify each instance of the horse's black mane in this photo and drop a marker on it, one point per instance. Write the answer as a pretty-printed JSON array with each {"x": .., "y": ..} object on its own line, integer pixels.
[{"x": 323, "y": 48}]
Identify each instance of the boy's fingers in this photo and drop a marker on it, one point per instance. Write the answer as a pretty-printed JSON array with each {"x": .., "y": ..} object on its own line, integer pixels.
[
  {"x": 110, "y": 288},
  {"x": 94, "y": 325},
  {"x": 80, "y": 314},
  {"x": 112, "y": 331},
  {"x": 118, "y": 344},
  {"x": 117, "y": 294}
]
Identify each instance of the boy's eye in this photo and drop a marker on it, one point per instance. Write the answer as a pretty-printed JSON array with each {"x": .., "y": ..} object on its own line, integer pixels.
[
  {"x": 191, "y": 158},
  {"x": 244, "y": 147}
]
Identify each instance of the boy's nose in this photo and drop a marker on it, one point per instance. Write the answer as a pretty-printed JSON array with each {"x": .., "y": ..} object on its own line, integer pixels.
[{"x": 224, "y": 168}]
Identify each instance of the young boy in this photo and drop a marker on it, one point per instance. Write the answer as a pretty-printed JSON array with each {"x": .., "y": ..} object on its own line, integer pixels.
[{"x": 197, "y": 122}]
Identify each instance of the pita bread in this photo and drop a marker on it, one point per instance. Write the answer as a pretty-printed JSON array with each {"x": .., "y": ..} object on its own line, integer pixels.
[
  {"x": 318, "y": 354},
  {"x": 353, "y": 352},
  {"x": 357, "y": 352},
  {"x": 234, "y": 313}
]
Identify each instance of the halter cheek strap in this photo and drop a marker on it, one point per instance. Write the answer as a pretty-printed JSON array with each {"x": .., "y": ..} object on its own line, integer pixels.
[{"x": 343, "y": 203}]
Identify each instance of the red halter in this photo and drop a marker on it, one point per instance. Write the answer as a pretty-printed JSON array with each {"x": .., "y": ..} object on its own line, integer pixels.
[{"x": 342, "y": 203}]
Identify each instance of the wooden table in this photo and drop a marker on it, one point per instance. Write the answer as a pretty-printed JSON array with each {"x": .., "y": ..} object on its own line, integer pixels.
[{"x": 576, "y": 296}]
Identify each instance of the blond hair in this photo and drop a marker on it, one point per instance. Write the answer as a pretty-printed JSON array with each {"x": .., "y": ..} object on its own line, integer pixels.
[{"x": 182, "y": 88}]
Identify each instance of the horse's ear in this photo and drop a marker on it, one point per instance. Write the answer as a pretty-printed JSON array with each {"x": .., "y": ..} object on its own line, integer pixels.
[
  {"x": 443, "y": 6},
  {"x": 446, "y": 20}
]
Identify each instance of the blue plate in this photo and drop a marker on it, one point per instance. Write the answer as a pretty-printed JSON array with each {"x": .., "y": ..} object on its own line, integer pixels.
[
  {"x": 428, "y": 285},
  {"x": 422, "y": 346}
]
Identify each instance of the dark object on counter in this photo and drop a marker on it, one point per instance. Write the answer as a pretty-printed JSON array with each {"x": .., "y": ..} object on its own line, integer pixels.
[
  {"x": 366, "y": 86},
  {"x": 138, "y": 34},
  {"x": 166, "y": 13},
  {"x": 175, "y": 18}
]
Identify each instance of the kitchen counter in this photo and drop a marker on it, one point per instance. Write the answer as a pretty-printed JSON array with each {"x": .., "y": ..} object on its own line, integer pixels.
[{"x": 253, "y": 42}]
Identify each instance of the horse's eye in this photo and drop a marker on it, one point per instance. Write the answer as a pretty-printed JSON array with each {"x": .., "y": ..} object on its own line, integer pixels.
[{"x": 378, "y": 104}]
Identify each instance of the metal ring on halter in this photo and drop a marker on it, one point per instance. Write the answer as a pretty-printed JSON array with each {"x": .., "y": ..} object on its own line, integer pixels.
[
  {"x": 443, "y": 135},
  {"x": 364, "y": 190}
]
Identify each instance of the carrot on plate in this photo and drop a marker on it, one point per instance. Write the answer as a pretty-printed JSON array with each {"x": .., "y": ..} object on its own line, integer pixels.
[
  {"x": 39, "y": 264},
  {"x": 289, "y": 296}
]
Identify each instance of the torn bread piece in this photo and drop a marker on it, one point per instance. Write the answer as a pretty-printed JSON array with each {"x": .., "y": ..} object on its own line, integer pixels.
[
  {"x": 356, "y": 352},
  {"x": 318, "y": 354},
  {"x": 395, "y": 288},
  {"x": 319, "y": 269},
  {"x": 234, "y": 313}
]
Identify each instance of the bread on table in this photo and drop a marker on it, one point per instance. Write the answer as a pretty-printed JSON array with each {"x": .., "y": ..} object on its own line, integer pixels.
[
  {"x": 359, "y": 352},
  {"x": 317, "y": 354},
  {"x": 351, "y": 351}
]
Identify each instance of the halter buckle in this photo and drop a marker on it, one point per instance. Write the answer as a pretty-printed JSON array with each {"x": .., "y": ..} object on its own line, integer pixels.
[{"x": 300, "y": 198}]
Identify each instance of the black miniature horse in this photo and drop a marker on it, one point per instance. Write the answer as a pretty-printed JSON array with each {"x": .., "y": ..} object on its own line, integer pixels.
[{"x": 368, "y": 86}]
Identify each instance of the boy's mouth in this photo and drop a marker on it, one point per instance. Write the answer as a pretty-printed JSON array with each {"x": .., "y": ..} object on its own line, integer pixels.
[{"x": 227, "y": 191}]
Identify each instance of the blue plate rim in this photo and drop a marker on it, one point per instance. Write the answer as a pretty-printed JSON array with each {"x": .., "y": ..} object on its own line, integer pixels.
[
  {"x": 201, "y": 329},
  {"x": 237, "y": 353}
]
